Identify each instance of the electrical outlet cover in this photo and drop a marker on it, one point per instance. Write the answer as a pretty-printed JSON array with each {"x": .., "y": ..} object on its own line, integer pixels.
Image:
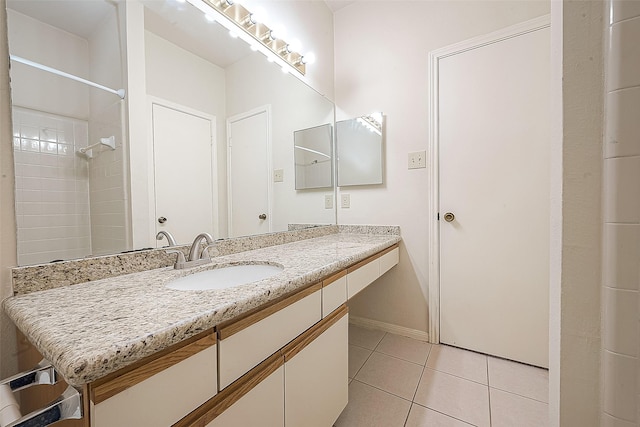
[
  {"x": 328, "y": 201},
  {"x": 418, "y": 160},
  {"x": 345, "y": 201},
  {"x": 278, "y": 175}
]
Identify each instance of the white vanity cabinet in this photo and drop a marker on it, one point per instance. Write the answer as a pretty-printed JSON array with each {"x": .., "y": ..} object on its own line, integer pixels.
[
  {"x": 283, "y": 364},
  {"x": 303, "y": 384},
  {"x": 256, "y": 399},
  {"x": 316, "y": 373},
  {"x": 334, "y": 292},
  {"x": 160, "y": 392},
  {"x": 362, "y": 274},
  {"x": 245, "y": 343}
]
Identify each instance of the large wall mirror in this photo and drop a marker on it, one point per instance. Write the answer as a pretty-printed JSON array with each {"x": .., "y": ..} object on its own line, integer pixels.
[{"x": 192, "y": 147}]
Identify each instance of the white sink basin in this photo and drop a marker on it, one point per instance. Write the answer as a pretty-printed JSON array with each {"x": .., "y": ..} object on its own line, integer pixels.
[{"x": 224, "y": 277}]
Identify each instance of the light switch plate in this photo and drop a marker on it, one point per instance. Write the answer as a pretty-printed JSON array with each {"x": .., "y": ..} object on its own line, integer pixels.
[
  {"x": 418, "y": 160},
  {"x": 345, "y": 201},
  {"x": 278, "y": 175},
  {"x": 328, "y": 201}
]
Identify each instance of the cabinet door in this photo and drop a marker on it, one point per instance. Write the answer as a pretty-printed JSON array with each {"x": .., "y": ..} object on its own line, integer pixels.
[
  {"x": 163, "y": 398},
  {"x": 361, "y": 276},
  {"x": 334, "y": 292},
  {"x": 388, "y": 260},
  {"x": 242, "y": 350},
  {"x": 316, "y": 377},
  {"x": 262, "y": 406}
]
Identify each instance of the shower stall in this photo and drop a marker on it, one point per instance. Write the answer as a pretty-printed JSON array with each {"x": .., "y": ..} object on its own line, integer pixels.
[{"x": 69, "y": 134}]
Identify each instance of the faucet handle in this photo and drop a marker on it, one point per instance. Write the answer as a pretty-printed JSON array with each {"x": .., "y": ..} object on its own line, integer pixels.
[{"x": 180, "y": 260}]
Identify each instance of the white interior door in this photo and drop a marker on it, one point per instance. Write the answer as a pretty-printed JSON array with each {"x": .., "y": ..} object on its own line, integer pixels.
[
  {"x": 249, "y": 163},
  {"x": 494, "y": 177},
  {"x": 185, "y": 175}
]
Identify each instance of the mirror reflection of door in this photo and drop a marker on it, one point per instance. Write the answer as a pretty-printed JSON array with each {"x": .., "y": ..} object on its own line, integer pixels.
[
  {"x": 249, "y": 186},
  {"x": 183, "y": 150}
]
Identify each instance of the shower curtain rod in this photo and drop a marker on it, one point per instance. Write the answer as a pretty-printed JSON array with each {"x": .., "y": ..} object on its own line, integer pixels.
[{"x": 119, "y": 92}]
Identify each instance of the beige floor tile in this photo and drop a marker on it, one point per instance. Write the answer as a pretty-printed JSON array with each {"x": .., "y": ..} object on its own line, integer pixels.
[
  {"x": 405, "y": 348},
  {"x": 461, "y": 363},
  {"x": 363, "y": 337},
  {"x": 357, "y": 357},
  {"x": 391, "y": 374},
  {"x": 420, "y": 416},
  {"x": 370, "y": 407},
  {"x": 518, "y": 378},
  {"x": 454, "y": 396},
  {"x": 509, "y": 410}
]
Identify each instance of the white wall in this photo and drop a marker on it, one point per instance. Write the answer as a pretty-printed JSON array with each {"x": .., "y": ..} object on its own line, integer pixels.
[
  {"x": 39, "y": 90},
  {"x": 311, "y": 22},
  {"x": 381, "y": 65},
  {"x": 575, "y": 342}
]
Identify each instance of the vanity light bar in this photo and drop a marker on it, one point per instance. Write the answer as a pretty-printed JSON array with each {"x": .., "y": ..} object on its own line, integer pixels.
[{"x": 237, "y": 19}]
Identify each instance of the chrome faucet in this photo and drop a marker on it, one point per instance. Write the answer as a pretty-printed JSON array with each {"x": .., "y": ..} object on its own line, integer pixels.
[
  {"x": 197, "y": 256},
  {"x": 169, "y": 237}
]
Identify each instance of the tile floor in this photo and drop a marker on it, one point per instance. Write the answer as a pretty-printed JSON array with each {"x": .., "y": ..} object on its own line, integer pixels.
[{"x": 397, "y": 381}]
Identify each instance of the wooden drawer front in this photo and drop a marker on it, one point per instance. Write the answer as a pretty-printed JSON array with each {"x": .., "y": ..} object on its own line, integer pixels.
[
  {"x": 389, "y": 260},
  {"x": 262, "y": 406},
  {"x": 334, "y": 295},
  {"x": 362, "y": 277},
  {"x": 248, "y": 347},
  {"x": 316, "y": 379},
  {"x": 191, "y": 383}
]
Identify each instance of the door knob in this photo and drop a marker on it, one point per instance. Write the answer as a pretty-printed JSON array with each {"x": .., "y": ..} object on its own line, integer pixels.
[
  {"x": 162, "y": 220},
  {"x": 449, "y": 216},
  {"x": 262, "y": 216}
]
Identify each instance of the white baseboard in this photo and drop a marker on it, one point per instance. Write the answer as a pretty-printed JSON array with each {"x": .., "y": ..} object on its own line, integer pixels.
[{"x": 388, "y": 327}]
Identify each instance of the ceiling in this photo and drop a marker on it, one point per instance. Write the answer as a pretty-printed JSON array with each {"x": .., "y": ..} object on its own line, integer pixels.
[
  {"x": 56, "y": 13},
  {"x": 336, "y": 5}
]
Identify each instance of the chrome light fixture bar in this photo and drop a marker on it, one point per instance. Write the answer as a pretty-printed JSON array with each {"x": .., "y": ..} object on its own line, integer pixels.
[{"x": 242, "y": 23}]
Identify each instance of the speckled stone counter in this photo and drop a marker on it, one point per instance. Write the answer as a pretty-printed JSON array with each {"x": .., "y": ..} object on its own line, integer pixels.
[{"x": 91, "y": 329}]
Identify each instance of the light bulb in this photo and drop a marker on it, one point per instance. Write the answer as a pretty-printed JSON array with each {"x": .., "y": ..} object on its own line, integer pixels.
[
  {"x": 277, "y": 32},
  {"x": 294, "y": 46},
  {"x": 309, "y": 58},
  {"x": 258, "y": 15}
]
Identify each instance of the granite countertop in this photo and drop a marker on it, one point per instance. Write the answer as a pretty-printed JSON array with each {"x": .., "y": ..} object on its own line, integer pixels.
[{"x": 92, "y": 329}]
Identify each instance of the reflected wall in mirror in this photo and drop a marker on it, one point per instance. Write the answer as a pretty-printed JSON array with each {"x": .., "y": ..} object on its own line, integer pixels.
[
  {"x": 313, "y": 157},
  {"x": 359, "y": 147},
  {"x": 181, "y": 66}
]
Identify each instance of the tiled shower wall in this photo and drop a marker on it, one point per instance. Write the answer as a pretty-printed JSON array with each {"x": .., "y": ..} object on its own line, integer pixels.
[
  {"x": 107, "y": 191},
  {"x": 621, "y": 272},
  {"x": 52, "y": 187}
]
